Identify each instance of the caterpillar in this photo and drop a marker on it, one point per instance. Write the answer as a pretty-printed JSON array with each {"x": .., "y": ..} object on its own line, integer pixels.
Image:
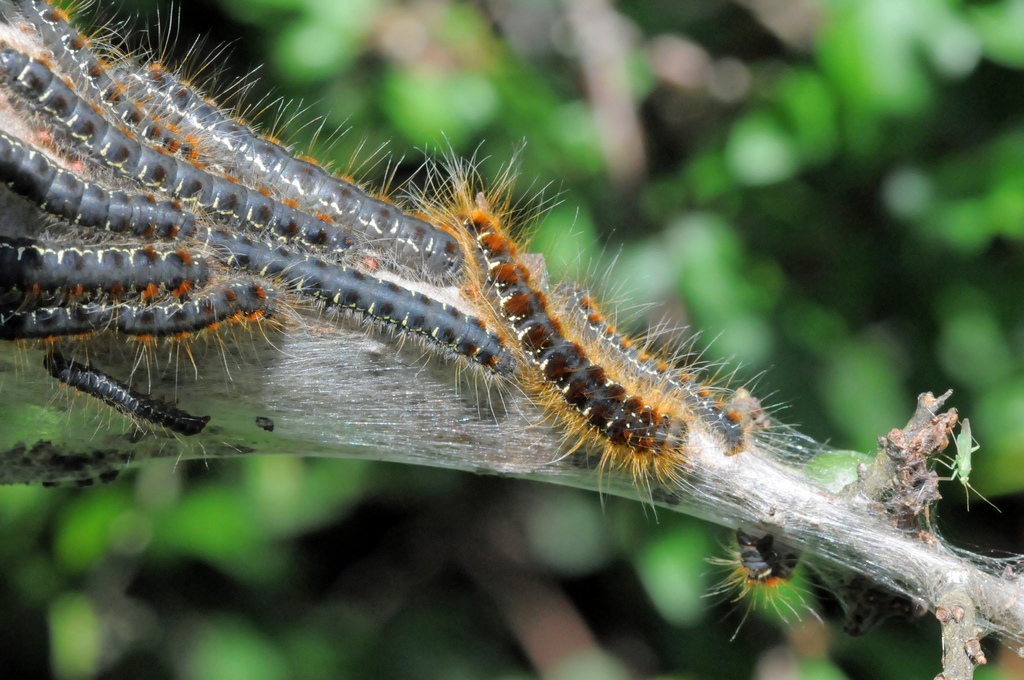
[
  {"x": 37, "y": 268},
  {"x": 760, "y": 572},
  {"x": 763, "y": 562},
  {"x": 416, "y": 243},
  {"x": 74, "y": 56},
  {"x": 121, "y": 397},
  {"x": 726, "y": 419},
  {"x": 375, "y": 298},
  {"x": 118, "y": 150},
  {"x": 29, "y": 173},
  {"x": 239, "y": 301},
  {"x": 636, "y": 434}
]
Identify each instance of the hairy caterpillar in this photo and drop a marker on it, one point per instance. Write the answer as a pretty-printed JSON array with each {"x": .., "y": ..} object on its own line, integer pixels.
[
  {"x": 213, "y": 306},
  {"x": 759, "y": 570},
  {"x": 295, "y": 179},
  {"x": 378, "y": 299},
  {"x": 725, "y": 420},
  {"x": 641, "y": 438},
  {"x": 35, "y": 268},
  {"x": 88, "y": 380},
  {"x": 84, "y": 68},
  {"x": 62, "y": 194},
  {"x": 761, "y": 564},
  {"x": 106, "y": 143}
]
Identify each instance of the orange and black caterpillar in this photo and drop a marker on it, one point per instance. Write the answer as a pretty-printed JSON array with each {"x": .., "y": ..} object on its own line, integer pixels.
[
  {"x": 724, "y": 418},
  {"x": 641, "y": 438}
]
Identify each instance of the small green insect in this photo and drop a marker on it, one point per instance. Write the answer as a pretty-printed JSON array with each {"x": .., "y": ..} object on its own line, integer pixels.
[{"x": 966, "y": 445}]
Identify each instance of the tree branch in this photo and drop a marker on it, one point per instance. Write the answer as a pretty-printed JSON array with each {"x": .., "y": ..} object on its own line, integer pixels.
[{"x": 333, "y": 391}]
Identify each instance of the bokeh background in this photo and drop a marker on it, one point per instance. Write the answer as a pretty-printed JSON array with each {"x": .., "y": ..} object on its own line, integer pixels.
[{"x": 833, "y": 191}]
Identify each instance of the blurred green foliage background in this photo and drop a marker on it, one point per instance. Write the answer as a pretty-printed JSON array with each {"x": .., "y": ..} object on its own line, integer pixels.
[{"x": 833, "y": 191}]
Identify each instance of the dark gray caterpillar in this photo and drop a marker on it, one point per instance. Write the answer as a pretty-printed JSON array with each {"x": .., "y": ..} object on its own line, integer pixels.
[
  {"x": 74, "y": 118},
  {"x": 217, "y": 304},
  {"x": 72, "y": 52},
  {"x": 312, "y": 187},
  {"x": 31, "y": 267},
  {"x": 371, "y": 297},
  {"x": 31, "y": 174},
  {"x": 122, "y": 397}
]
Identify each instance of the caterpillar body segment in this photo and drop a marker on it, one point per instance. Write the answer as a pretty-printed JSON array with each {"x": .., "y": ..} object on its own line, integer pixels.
[
  {"x": 90, "y": 74},
  {"x": 723, "y": 417}
]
